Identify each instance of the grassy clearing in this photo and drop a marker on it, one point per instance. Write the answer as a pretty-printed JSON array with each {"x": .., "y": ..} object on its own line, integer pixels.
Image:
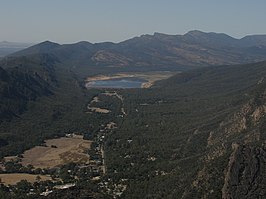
[
  {"x": 58, "y": 152},
  {"x": 14, "y": 178}
]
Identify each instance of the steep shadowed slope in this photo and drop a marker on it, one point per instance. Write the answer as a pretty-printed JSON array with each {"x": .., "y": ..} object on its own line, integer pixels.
[
  {"x": 39, "y": 100},
  {"x": 24, "y": 80}
]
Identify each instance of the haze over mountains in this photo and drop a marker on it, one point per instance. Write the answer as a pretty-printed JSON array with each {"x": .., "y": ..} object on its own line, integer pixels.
[
  {"x": 7, "y": 48},
  {"x": 158, "y": 51}
]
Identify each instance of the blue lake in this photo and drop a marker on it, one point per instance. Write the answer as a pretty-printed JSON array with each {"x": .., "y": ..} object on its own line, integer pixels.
[{"x": 116, "y": 83}]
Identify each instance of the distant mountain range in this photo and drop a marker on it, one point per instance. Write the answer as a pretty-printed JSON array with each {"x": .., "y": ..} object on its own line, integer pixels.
[
  {"x": 7, "y": 48},
  {"x": 158, "y": 51},
  {"x": 32, "y": 72}
]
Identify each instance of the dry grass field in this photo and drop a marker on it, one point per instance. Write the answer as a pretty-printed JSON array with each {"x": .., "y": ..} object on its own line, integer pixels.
[
  {"x": 58, "y": 152},
  {"x": 14, "y": 178}
]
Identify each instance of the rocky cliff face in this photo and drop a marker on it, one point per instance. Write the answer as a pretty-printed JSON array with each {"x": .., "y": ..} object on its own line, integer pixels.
[
  {"x": 235, "y": 162},
  {"x": 245, "y": 174}
]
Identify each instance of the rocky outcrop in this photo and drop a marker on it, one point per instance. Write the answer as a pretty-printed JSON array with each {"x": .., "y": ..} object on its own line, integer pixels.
[{"x": 245, "y": 174}]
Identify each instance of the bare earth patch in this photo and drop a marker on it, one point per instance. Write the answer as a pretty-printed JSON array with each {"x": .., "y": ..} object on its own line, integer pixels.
[
  {"x": 58, "y": 152},
  {"x": 98, "y": 110},
  {"x": 14, "y": 178}
]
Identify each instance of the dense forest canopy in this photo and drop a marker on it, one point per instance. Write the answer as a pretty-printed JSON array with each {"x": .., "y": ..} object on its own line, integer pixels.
[{"x": 198, "y": 134}]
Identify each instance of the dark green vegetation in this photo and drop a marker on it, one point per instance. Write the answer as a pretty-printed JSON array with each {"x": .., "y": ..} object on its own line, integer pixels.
[
  {"x": 40, "y": 100},
  {"x": 199, "y": 134},
  {"x": 84, "y": 188},
  {"x": 22, "y": 81},
  {"x": 178, "y": 136}
]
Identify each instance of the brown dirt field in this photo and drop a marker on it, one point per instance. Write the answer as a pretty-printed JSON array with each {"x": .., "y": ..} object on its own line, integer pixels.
[
  {"x": 68, "y": 150},
  {"x": 14, "y": 178}
]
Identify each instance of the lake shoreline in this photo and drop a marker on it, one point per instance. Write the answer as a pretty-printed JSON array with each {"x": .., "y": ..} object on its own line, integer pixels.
[{"x": 142, "y": 80}]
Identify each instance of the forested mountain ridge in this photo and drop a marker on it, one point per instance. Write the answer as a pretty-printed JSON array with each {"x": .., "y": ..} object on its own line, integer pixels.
[
  {"x": 157, "y": 52},
  {"x": 200, "y": 134},
  {"x": 39, "y": 100},
  {"x": 24, "y": 79},
  {"x": 36, "y": 65}
]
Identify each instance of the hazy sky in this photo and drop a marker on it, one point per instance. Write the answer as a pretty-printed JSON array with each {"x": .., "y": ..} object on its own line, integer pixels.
[{"x": 69, "y": 21}]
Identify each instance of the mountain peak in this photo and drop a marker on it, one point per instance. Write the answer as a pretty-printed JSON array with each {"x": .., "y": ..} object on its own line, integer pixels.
[
  {"x": 196, "y": 33},
  {"x": 42, "y": 47},
  {"x": 48, "y": 43},
  {"x": 158, "y": 34},
  {"x": 211, "y": 38},
  {"x": 84, "y": 43},
  {"x": 252, "y": 40}
]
